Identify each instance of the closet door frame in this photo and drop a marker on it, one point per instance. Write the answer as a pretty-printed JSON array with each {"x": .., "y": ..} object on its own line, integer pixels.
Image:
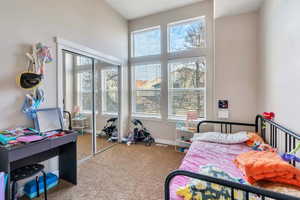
[{"x": 68, "y": 46}]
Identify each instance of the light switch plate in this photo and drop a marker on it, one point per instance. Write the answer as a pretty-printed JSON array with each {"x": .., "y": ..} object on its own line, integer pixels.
[{"x": 223, "y": 114}]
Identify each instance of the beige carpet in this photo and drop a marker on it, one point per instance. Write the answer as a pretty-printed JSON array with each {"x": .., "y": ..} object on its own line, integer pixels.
[
  {"x": 84, "y": 145},
  {"x": 123, "y": 172}
]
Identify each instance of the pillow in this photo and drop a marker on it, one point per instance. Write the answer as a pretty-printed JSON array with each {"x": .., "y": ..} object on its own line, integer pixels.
[
  {"x": 222, "y": 138},
  {"x": 254, "y": 140},
  {"x": 197, "y": 189}
]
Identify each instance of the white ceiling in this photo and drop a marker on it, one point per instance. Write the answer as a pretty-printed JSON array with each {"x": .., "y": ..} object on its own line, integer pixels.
[
  {"x": 235, "y": 7},
  {"x": 132, "y": 9}
]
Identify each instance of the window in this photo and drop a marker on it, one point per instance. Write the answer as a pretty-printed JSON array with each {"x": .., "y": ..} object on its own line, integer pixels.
[
  {"x": 187, "y": 82},
  {"x": 146, "y": 42},
  {"x": 84, "y": 90},
  {"x": 174, "y": 83},
  {"x": 186, "y": 35},
  {"x": 146, "y": 89},
  {"x": 110, "y": 85}
]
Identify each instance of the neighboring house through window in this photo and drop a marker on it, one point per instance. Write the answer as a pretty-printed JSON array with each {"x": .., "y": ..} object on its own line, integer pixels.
[{"x": 171, "y": 72}]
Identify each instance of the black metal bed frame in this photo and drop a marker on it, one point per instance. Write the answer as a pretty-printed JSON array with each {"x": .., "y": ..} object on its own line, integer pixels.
[{"x": 275, "y": 134}]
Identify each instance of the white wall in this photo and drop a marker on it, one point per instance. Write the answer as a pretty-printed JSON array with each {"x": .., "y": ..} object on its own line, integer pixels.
[
  {"x": 236, "y": 64},
  {"x": 162, "y": 128},
  {"x": 91, "y": 23},
  {"x": 280, "y": 63}
]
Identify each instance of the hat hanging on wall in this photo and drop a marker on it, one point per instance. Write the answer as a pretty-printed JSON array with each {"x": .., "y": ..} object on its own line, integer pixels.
[
  {"x": 41, "y": 54},
  {"x": 33, "y": 77},
  {"x": 29, "y": 80}
]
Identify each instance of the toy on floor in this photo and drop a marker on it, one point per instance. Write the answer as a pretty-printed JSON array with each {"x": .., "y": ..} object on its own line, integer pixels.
[
  {"x": 139, "y": 133},
  {"x": 110, "y": 130},
  {"x": 30, "y": 188}
]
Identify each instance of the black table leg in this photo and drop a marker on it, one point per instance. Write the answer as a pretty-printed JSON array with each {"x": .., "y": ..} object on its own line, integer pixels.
[
  {"x": 68, "y": 162},
  {"x": 45, "y": 184}
]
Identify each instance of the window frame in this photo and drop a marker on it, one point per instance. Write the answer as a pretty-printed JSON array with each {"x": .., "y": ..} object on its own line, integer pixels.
[
  {"x": 104, "y": 90},
  {"x": 185, "y": 21},
  {"x": 132, "y": 52},
  {"x": 134, "y": 90},
  {"x": 204, "y": 89},
  {"x": 165, "y": 57},
  {"x": 79, "y": 101}
]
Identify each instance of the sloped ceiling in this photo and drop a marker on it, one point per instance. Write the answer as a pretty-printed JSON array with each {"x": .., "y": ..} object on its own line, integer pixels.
[
  {"x": 131, "y": 9},
  {"x": 235, "y": 7}
]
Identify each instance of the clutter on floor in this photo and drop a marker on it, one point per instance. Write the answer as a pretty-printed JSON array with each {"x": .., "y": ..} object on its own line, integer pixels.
[
  {"x": 139, "y": 133},
  {"x": 110, "y": 130},
  {"x": 35, "y": 187}
]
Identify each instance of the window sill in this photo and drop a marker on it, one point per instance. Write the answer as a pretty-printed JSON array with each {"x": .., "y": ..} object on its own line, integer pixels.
[
  {"x": 146, "y": 117},
  {"x": 109, "y": 114},
  {"x": 88, "y": 112},
  {"x": 180, "y": 119}
]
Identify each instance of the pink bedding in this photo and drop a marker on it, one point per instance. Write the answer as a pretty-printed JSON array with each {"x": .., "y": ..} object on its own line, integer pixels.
[{"x": 203, "y": 153}]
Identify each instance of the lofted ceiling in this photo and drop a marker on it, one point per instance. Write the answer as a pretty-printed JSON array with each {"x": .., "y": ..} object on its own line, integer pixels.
[
  {"x": 235, "y": 7},
  {"x": 131, "y": 9}
]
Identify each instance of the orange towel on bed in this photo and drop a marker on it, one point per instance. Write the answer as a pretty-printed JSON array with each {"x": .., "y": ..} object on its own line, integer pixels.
[{"x": 262, "y": 165}]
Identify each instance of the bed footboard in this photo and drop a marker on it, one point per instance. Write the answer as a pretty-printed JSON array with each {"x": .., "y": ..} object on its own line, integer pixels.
[{"x": 234, "y": 186}]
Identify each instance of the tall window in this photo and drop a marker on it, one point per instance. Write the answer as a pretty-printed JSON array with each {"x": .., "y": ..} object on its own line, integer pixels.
[
  {"x": 146, "y": 89},
  {"x": 187, "y": 74},
  {"x": 180, "y": 60},
  {"x": 186, "y": 87},
  {"x": 110, "y": 100}
]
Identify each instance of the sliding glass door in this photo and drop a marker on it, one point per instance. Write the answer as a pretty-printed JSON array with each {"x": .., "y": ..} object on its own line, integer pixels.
[
  {"x": 107, "y": 101},
  {"x": 91, "y": 95}
]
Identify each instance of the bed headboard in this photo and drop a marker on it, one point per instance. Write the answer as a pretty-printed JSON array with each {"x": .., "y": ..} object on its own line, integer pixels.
[{"x": 275, "y": 134}]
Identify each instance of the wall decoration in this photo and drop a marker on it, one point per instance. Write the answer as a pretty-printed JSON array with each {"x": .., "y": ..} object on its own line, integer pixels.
[{"x": 31, "y": 79}]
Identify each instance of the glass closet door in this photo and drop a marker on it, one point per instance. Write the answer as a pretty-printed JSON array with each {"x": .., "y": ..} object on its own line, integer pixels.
[
  {"x": 78, "y": 99},
  {"x": 107, "y": 103}
]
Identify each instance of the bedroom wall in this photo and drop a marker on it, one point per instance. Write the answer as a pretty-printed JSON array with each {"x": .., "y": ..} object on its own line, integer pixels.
[
  {"x": 280, "y": 64},
  {"x": 236, "y": 64},
  {"x": 91, "y": 23}
]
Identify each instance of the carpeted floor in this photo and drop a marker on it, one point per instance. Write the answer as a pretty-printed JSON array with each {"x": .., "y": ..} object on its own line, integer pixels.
[
  {"x": 123, "y": 172},
  {"x": 84, "y": 145}
]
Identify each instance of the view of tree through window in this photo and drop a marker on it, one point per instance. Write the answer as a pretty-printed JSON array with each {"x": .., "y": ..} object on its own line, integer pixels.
[
  {"x": 182, "y": 60},
  {"x": 187, "y": 35},
  {"x": 147, "y": 89},
  {"x": 147, "y": 38},
  {"x": 84, "y": 90},
  {"x": 110, "y": 100},
  {"x": 187, "y": 87}
]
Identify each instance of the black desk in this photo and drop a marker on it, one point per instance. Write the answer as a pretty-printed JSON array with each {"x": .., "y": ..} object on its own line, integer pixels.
[{"x": 64, "y": 146}]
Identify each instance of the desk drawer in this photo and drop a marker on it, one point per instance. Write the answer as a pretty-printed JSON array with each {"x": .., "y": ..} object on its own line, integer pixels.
[
  {"x": 59, "y": 141},
  {"x": 29, "y": 150}
]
